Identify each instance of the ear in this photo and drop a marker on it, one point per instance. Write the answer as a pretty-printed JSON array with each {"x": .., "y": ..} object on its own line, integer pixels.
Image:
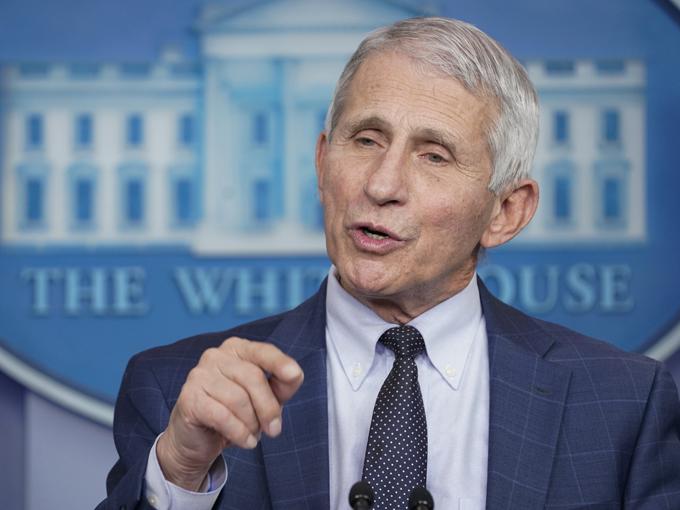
[
  {"x": 512, "y": 212},
  {"x": 319, "y": 161}
]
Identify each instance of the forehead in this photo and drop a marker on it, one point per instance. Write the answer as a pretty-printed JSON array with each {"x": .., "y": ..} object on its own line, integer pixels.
[{"x": 394, "y": 86}]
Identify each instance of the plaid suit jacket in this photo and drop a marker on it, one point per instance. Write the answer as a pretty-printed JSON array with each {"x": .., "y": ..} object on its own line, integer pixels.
[{"x": 574, "y": 422}]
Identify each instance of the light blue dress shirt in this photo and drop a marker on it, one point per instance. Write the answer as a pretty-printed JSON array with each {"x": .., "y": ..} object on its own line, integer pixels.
[{"x": 453, "y": 378}]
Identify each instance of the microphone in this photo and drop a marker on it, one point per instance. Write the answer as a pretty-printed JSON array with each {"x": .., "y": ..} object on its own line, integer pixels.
[
  {"x": 420, "y": 499},
  {"x": 361, "y": 496}
]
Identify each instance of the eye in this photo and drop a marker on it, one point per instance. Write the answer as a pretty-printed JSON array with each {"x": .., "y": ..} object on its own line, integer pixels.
[
  {"x": 365, "y": 141},
  {"x": 435, "y": 158}
]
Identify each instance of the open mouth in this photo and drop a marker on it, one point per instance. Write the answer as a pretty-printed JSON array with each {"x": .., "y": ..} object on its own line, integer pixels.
[{"x": 374, "y": 234}]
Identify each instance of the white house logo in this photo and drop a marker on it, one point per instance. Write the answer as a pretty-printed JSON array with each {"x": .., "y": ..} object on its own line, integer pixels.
[{"x": 142, "y": 202}]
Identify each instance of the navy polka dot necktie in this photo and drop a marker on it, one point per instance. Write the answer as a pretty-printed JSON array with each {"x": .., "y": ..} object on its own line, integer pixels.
[{"x": 396, "y": 453}]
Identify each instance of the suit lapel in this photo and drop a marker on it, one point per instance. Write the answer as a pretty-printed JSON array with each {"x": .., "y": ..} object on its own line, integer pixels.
[
  {"x": 527, "y": 397},
  {"x": 296, "y": 462}
]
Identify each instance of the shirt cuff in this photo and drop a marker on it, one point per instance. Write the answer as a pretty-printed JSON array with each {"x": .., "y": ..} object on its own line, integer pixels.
[{"x": 164, "y": 495}]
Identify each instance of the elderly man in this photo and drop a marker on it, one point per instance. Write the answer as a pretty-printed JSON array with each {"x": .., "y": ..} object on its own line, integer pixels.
[{"x": 402, "y": 370}]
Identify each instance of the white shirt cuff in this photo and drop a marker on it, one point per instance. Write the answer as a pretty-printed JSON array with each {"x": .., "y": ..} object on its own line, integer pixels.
[{"x": 164, "y": 495}]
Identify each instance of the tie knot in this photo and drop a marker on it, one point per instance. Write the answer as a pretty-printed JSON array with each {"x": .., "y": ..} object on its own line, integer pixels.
[{"x": 405, "y": 341}]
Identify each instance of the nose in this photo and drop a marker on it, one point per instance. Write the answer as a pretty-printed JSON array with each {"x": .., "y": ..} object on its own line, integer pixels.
[{"x": 386, "y": 182}]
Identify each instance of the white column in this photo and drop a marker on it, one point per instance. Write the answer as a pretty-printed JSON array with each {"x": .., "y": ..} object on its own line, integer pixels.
[
  {"x": 586, "y": 139},
  {"x": 109, "y": 148},
  {"x": 11, "y": 152},
  {"x": 160, "y": 141},
  {"x": 219, "y": 186},
  {"x": 291, "y": 135},
  {"x": 58, "y": 144}
]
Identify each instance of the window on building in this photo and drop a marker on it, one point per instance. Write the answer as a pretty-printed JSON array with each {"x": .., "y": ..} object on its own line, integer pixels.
[
  {"x": 34, "y": 70},
  {"x": 84, "y": 71},
  {"x": 611, "y": 200},
  {"x": 83, "y": 131},
  {"x": 260, "y": 128},
  {"x": 262, "y": 200},
  {"x": 559, "y": 67},
  {"x": 562, "y": 198},
  {"x": 84, "y": 200},
  {"x": 185, "y": 69},
  {"x": 135, "y": 70},
  {"x": 186, "y": 130},
  {"x": 34, "y": 131},
  {"x": 612, "y": 181},
  {"x": 34, "y": 211},
  {"x": 134, "y": 201},
  {"x": 134, "y": 130},
  {"x": 561, "y": 127},
  {"x": 611, "y": 126},
  {"x": 183, "y": 200},
  {"x": 610, "y": 67}
]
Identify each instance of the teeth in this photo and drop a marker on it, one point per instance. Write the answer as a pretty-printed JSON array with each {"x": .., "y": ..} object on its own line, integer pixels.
[{"x": 374, "y": 235}]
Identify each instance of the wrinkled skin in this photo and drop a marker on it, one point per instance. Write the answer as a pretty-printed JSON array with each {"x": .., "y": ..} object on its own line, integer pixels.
[{"x": 409, "y": 157}]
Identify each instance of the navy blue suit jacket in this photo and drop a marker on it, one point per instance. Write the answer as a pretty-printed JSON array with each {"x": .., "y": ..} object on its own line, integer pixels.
[{"x": 574, "y": 423}]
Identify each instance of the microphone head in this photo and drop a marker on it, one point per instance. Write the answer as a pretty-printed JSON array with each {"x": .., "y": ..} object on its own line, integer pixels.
[
  {"x": 420, "y": 499},
  {"x": 361, "y": 491}
]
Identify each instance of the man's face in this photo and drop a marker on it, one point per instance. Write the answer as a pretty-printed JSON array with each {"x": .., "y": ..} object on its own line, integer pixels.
[{"x": 404, "y": 184}]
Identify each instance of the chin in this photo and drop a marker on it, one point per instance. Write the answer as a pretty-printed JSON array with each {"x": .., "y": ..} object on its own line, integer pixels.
[{"x": 367, "y": 279}]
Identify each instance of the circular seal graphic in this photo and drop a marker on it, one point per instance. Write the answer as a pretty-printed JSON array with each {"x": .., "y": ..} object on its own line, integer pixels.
[{"x": 144, "y": 203}]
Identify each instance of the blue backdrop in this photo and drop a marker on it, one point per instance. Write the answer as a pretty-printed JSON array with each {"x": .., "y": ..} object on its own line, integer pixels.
[{"x": 157, "y": 179}]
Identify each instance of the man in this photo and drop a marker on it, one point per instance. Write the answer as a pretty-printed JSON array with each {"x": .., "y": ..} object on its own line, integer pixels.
[{"x": 423, "y": 163}]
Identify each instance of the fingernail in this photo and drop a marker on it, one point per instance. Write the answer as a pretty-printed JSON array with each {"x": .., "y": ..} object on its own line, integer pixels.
[
  {"x": 290, "y": 371},
  {"x": 275, "y": 427},
  {"x": 251, "y": 442}
]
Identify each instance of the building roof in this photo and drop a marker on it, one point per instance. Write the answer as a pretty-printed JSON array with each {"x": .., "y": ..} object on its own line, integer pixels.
[
  {"x": 120, "y": 31},
  {"x": 300, "y": 14}
]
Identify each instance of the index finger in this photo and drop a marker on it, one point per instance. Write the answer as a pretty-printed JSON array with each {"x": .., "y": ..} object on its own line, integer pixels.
[{"x": 287, "y": 376}]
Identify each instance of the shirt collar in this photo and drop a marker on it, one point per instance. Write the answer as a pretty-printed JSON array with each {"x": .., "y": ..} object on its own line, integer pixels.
[{"x": 448, "y": 329}]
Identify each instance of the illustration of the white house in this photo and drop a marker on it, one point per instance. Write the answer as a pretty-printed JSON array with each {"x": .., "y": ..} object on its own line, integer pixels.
[{"x": 217, "y": 154}]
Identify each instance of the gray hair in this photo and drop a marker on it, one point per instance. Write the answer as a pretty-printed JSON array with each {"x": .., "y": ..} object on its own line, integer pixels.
[{"x": 483, "y": 66}]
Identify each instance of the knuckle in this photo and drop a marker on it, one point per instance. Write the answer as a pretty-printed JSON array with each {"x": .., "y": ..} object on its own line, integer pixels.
[
  {"x": 253, "y": 376},
  {"x": 184, "y": 413},
  {"x": 187, "y": 418},
  {"x": 242, "y": 436},
  {"x": 273, "y": 411},
  {"x": 233, "y": 428},
  {"x": 267, "y": 410},
  {"x": 185, "y": 395},
  {"x": 193, "y": 379},
  {"x": 217, "y": 414},
  {"x": 267, "y": 350},
  {"x": 235, "y": 398},
  {"x": 195, "y": 405},
  {"x": 253, "y": 348},
  {"x": 241, "y": 401},
  {"x": 232, "y": 343},
  {"x": 210, "y": 355}
]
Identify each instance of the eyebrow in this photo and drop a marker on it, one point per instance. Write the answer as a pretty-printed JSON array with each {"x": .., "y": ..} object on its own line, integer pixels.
[
  {"x": 438, "y": 137},
  {"x": 372, "y": 122},
  {"x": 422, "y": 134}
]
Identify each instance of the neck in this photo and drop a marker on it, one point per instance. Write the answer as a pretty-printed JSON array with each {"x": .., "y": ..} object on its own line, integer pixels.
[{"x": 403, "y": 308}]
